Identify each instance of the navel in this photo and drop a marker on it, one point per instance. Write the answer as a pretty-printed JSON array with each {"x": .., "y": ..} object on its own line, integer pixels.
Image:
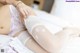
[{"x": 1, "y": 27}]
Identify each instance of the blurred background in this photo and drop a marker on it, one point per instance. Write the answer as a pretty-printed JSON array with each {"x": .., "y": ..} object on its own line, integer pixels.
[{"x": 45, "y": 5}]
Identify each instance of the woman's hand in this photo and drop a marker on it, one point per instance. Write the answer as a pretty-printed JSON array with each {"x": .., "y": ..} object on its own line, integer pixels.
[
  {"x": 3, "y": 1},
  {"x": 8, "y": 1},
  {"x": 24, "y": 9}
]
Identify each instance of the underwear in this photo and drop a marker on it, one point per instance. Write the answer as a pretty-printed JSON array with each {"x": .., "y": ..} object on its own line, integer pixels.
[{"x": 17, "y": 26}]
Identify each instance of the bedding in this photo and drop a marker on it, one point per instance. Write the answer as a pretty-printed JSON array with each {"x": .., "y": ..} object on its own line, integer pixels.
[{"x": 12, "y": 45}]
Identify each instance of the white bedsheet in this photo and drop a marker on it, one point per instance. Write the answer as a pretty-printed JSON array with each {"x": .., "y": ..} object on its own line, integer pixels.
[{"x": 12, "y": 45}]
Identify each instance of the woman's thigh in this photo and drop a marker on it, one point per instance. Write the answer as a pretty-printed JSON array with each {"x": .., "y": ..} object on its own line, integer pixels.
[{"x": 5, "y": 19}]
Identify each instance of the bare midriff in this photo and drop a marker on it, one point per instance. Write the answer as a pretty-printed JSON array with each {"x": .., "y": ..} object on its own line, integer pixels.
[{"x": 5, "y": 19}]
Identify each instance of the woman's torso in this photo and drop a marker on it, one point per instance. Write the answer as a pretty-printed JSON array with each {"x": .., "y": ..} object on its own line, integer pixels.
[
  {"x": 5, "y": 21},
  {"x": 11, "y": 22}
]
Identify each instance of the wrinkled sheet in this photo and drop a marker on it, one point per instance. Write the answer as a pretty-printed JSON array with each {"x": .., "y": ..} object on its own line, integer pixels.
[{"x": 12, "y": 45}]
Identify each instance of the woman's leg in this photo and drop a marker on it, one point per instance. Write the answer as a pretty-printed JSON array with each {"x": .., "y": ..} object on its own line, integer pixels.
[
  {"x": 25, "y": 36},
  {"x": 46, "y": 39},
  {"x": 34, "y": 46},
  {"x": 29, "y": 42},
  {"x": 38, "y": 30},
  {"x": 53, "y": 43}
]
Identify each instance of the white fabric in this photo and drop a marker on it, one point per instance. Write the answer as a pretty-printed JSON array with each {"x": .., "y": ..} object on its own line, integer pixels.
[
  {"x": 16, "y": 24},
  {"x": 24, "y": 37},
  {"x": 52, "y": 23},
  {"x": 12, "y": 45},
  {"x": 71, "y": 45},
  {"x": 4, "y": 39},
  {"x": 18, "y": 46},
  {"x": 69, "y": 11}
]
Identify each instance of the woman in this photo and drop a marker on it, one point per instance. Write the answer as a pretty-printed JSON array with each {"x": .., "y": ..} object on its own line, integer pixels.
[
  {"x": 50, "y": 32},
  {"x": 11, "y": 29},
  {"x": 47, "y": 32}
]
